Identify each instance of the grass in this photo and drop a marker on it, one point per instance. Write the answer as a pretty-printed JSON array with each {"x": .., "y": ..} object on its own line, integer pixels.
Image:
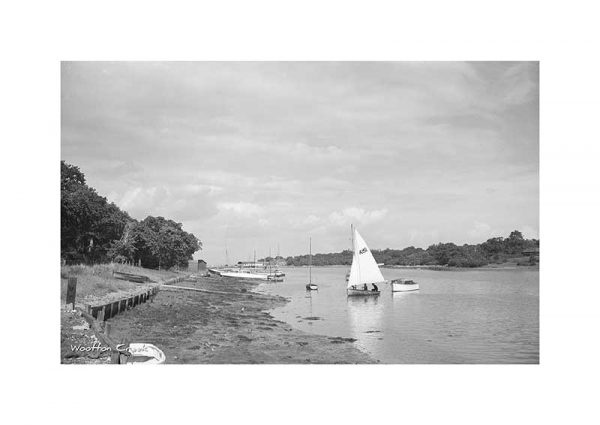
[{"x": 97, "y": 281}]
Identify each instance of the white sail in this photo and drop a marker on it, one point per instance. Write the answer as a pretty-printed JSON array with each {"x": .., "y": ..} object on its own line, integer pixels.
[{"x": 364, "y": 268}]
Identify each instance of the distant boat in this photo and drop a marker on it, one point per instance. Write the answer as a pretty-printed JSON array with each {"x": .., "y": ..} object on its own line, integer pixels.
[
  {"x": 364, "y": 270},
  {"x": 310, "y": 286},
  {"x": 404, "y": 285},
  {"x": 243, "y": 274},
  {"x": 251, "y": 270}
]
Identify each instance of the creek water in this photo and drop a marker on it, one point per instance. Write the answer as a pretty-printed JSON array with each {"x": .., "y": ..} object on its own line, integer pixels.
[{"x": 457, "y": 316}]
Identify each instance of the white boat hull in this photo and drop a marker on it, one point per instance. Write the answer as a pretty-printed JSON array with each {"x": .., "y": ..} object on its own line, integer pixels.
[
  {"x": 405, "y": 286},
  {"x": 150, "y": 353},
  {"x": 352, "y": 292},
  {"x": 245, "y": 275},
  {"x": 311, "y": 287}
]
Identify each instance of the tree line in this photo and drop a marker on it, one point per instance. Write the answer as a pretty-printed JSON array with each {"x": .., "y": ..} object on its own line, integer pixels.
[
  {"x": 94, "y": 230},
  {"x": 494, "y": 250}
]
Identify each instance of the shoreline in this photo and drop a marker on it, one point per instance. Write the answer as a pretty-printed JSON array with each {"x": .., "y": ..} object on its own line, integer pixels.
[
  {"x": 493, "y": 266},
  {"x": 229, "y": 326}
]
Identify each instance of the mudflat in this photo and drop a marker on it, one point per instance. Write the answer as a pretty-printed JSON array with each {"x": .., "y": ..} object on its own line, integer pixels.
[{"x": 229, "y": 325}]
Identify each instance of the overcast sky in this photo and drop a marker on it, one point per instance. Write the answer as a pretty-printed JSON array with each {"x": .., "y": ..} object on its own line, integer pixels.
[{"x": 251, "y": 155}]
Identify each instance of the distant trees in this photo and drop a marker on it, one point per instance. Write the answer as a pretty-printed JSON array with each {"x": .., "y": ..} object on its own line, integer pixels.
[
  {"x": 343, "y": 258},
  {"x": 94, "y": 230},
  {"x": 442, "y": 254}
]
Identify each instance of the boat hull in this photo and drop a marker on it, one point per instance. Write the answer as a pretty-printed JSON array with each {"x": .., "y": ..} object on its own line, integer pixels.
[
  {"x": 311, "y": 287},
  {"x": 243, "y": 275},
  {"x": 142, "y": 353},
  {"x": 404, "y": 286},
  {"x": 362, "y": 292}
]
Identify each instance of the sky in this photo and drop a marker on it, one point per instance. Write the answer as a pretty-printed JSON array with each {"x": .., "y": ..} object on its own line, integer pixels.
[{"x": 260, "y": 156}]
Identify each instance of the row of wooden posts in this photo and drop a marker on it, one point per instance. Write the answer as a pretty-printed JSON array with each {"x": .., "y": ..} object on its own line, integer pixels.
[
  {"x": 96, "y": 315},
  {"x": 108, "y": 310}
]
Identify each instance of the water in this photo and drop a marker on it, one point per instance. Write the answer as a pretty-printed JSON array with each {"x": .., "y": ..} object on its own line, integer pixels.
[{"x": 458, "y": 316}]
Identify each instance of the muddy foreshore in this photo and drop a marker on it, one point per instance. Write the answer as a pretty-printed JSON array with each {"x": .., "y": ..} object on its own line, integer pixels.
[{"x": 224, "y": 328}]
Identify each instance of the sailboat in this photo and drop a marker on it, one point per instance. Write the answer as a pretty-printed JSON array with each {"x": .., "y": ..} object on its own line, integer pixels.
[
  {"x": 310, "y": 286},
  {"x": 364, "y": 270}
]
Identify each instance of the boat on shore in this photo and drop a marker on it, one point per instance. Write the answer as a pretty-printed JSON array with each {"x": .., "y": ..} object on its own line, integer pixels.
[
  {"x": 404, "y": 285},
  {"x": 364, "y": 270},
  {"x": 142, "y": 353}
]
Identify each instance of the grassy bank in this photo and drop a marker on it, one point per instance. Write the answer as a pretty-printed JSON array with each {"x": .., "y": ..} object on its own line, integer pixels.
[{"x": 97, "y": 281}]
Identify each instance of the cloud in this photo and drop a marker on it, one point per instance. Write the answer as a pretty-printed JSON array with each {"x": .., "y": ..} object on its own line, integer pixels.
[
  {"x": 481, "y": 231},
  {"x": 245, "y": 209},
  {"x": 178, "y": 204},
  {"x": 275, "y": 150},
  {"x": 356, "y": 215}
]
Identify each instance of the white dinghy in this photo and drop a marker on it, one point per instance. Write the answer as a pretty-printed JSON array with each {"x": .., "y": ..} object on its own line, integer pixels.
[
  {"x": 142, "y": 353},
  {"x": 404, "y": 285},
  {"x": 364, "y": 272}
]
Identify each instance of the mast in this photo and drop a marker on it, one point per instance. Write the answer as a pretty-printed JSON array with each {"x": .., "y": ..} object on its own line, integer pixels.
[{"x": 309, "y": 260}]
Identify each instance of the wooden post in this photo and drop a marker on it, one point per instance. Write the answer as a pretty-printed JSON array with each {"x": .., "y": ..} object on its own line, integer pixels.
[
  {"x": 123, "y": 357},
  {"x": 71, "y": 291},
  {"x": 100, "y": 315},
  {"x": 114, "y": 356},
  {"x": 107, "y": 329}
]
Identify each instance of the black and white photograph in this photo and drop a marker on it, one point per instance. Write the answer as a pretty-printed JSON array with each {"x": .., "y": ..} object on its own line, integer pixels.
[
  {"x": 300, "y": 212},
  {"x": 316, "y": 212}
]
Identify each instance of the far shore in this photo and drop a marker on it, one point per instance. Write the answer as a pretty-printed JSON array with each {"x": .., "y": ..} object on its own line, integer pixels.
[{"x": 492, "y": 266}]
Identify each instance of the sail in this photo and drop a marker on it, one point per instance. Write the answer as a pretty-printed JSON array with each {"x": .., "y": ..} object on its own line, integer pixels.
[{"x": 364, "y": 269}]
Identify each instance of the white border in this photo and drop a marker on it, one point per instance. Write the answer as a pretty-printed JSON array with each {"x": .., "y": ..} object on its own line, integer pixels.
[{"x": 37, "y": 35}]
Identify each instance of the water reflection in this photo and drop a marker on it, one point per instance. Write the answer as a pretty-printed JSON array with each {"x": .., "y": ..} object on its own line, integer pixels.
[
  {"x": 365, "y": 314},
  {"x": 469, "y": 316},
  {"x": 400, "y": 295}
]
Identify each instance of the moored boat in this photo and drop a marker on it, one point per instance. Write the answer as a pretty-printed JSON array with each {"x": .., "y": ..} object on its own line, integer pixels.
[
  {"x": 244, "y": 274},
  {"x": 404, "y": 285},
  {"x": 310, "y": 286}
]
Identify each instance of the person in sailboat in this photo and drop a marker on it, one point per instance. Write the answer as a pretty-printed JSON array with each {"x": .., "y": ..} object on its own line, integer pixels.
[
  {"x": 365, "y": 288},
  {"x": 375, "y": 288}
]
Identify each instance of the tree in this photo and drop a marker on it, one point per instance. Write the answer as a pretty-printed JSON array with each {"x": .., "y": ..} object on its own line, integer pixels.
[
  {"x": 515, "y": 242},
  {"x": 89, "y": 223},
  {"x": 158, "y": 243}
]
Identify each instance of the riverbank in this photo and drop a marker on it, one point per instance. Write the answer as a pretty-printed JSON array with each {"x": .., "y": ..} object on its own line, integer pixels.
[
  {"x": 232, "y": 326},
  {"x": 96, "y": 284}
]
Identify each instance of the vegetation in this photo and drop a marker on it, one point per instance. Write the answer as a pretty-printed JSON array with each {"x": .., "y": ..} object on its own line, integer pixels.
[
  {"x": 495, "y": 250},
  {"x": 88, "y": 222},
  {"x": 96, "y": 281},
  {"x": 95, "y": 231},
  {"x": 155, "y": 242}
]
